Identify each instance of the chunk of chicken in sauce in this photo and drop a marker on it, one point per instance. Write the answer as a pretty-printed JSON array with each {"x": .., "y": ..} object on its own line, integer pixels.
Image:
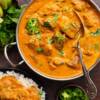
[
  {"x": 57, "y": 61},
  {"x": 69, "y": 27},
  {"x": 80, "y": 5},
  {"x": 92, "y": 21},
  {"x": 42, "y": 44}
]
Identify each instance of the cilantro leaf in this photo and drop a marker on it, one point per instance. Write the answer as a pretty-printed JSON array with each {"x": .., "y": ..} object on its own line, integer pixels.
[
  {"x": 33, "y": 26},
  {"x": 96, "y": 33}
]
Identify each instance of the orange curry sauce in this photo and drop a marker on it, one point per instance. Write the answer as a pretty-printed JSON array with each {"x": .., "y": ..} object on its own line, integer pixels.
[{"x": 50, "y": 47}]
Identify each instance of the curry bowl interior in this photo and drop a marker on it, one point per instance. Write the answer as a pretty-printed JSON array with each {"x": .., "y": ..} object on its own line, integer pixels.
[{"x": 35, "y": 70}]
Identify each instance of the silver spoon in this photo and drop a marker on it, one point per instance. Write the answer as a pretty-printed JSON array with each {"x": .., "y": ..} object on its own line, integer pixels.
[
  {"x": 81, "y": 31},
  {"x": 92, "y": 90}
]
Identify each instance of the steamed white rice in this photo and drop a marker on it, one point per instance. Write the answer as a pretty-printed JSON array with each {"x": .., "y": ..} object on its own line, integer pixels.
[{"x": 26, "y": 82}]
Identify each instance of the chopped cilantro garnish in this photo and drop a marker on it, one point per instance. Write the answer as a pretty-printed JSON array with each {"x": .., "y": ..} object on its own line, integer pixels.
[
  {"x": 97, "y": 47},
  {"x": 47, "y": 25},
  {"x": 60, "y": 37},
  {"x": 96, "y": 33},
  {"x": 33, "y": 26},
  {"x": 55, "y": 17},
  {"x": 72, "y": 93},
  {"x": 50, "y": 40},
  {"x": 39, "y": 50},
  {"x": 61, "y": 53},
  {"x": 8, "y": 23}
]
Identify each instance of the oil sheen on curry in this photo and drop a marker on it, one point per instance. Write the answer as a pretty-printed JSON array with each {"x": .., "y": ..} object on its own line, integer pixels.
[{"x": 48, "y": 34}]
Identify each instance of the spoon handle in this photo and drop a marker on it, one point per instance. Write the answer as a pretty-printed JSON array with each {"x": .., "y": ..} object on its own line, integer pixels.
[{"x": 92, "y": 90}]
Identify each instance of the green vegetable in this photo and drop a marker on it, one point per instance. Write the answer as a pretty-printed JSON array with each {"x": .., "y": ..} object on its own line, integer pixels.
[
  {"x": 59, "y": 37},
  {"x": 47, "y": 25},
  {"x": 58, "y": 40},
  {"x": 39, "y": 50},
  {"x": 72, "y": 93},
  {"x": 55, "y": 17},
  {"x": 14, "y": 13},
  {"x": 7, "y": 31},
  {"x": 96, "y": 47},
  {"x": 33, "y": 26},
  {"x": 66, "y": 95},
  {"x": 5, "y": 3},
  {"x": 3, "y": 38},
  {"x": 8, "y": 24},
  {"x": 1, "y": 12},
  {"x": 96, "y": 33},
  {"x": 61, "y": 53},
  {"x": 50, "y": 23},
  {"x": 50, "y": 40}
]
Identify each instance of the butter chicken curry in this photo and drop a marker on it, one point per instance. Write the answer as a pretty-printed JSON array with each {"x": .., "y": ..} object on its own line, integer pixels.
[{"x": 48, "y": 32}]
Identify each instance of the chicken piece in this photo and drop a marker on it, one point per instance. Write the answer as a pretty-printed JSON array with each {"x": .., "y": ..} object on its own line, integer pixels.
[
  {"x": 41, "y": 45},
  {"x": 56, "y": 61},
  {"x": 73, "y": 62},
  {"x": 34, "y": 41},
  {"x": 92, "y": 20},
  {"x": 52, "y": 7},
  {"x": 69, "y": 28},
  {"x": 59, "y": 45},
  {"x": 40, "y": 17},
  {"x": 79, "y": 5},
  {"x": 47, "y": 49},
  {"x": 58, "y": 40},
  {"x": 47, "y": 15}
]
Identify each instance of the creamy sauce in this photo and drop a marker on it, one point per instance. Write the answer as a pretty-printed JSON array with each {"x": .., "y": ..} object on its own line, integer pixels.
[{"x": 52, "y": 51}]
